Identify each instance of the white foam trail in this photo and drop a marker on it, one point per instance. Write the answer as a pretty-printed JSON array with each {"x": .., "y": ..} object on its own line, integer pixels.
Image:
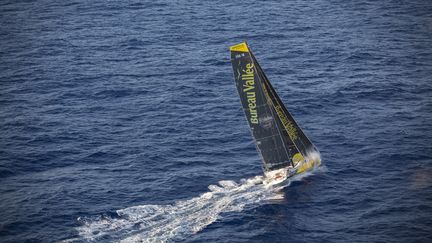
[{"x": 161, "y": 223}]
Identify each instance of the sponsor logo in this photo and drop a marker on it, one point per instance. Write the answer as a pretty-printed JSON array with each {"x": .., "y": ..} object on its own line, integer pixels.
[
  {"x": 289, "y": 126},
  {"x": 266, "y": 122},
  {"x": 248, "y": 76}
]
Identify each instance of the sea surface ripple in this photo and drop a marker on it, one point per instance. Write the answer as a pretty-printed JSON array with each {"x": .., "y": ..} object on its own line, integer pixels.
[{"x": 120, "y": 121}]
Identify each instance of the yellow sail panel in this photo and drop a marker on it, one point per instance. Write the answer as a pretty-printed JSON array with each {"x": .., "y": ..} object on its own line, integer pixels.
[{"x": 242, "y": 47}]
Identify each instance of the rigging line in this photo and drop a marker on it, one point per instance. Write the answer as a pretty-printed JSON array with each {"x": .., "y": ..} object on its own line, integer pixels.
[
  {"x": 271, "y": 110},
  {"x": 278, "y": 128},
  {"x": 281, "y": 105},
  {"x": 292, "y": 118}
]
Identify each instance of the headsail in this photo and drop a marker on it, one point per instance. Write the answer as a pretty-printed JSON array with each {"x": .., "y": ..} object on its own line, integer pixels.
[
  {"x": 290, "y": 126},
  {"x": 279, "y": 139}
]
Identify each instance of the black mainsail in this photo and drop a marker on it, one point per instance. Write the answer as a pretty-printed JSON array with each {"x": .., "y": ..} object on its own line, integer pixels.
[{"x": 278, "y": 137}]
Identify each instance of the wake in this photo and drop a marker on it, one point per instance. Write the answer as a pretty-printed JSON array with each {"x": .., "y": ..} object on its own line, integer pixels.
[{"x": 162, "y": 223}]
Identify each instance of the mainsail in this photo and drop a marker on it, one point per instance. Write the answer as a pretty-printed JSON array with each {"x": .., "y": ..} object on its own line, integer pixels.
[{"x": 278, "y": 137}]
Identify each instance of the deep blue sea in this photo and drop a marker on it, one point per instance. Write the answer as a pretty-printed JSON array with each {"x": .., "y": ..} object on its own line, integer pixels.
[{"x": 120, "y": 121}]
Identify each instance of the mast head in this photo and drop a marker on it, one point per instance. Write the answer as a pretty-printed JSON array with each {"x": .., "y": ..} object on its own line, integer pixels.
[{"x": 242, "y": 47}]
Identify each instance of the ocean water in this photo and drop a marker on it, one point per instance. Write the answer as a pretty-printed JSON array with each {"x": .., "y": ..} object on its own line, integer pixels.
[{"x": 120, "y": 121}]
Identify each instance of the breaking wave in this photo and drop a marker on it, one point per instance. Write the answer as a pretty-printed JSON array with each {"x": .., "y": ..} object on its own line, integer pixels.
[{"x": 162, "y": 223}]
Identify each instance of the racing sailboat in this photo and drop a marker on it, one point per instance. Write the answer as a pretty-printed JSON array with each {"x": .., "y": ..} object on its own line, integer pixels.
[{"x": 284, "y": 148}]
